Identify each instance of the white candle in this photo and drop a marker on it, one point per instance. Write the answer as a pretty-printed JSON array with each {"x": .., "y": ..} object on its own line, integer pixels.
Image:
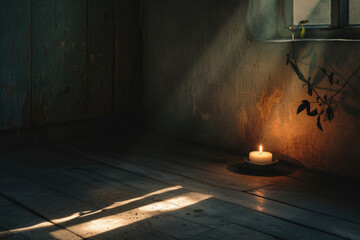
[{"x": 260, "y": 157}]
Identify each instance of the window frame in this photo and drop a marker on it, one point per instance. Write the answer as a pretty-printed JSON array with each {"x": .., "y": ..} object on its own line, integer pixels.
[{"x": 339, "y": 28}]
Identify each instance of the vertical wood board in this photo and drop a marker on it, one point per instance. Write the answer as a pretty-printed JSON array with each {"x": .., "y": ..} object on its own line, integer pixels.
[
  {"x": 14, "y": 64},
  {"x": 59, "y": 63},
  {"x": 100, "y": 57}
]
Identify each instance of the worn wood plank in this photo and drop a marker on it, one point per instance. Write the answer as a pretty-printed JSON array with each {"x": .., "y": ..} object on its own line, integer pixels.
[
  {"x": 237, "y": 182},
  {"x": 339, "y": 183},
  {"x": 100, "y": 57},
  {"x": 71, "y": 36},
  {"x": 230, "y": 231},
  {"x": 6, "y": 45},
  {"x": 326, "y": 200},
  {"x": 319, "y": 193},
  {"x": 15, "y": 64},
  {"x": 221, "y": 210},
  {"x": 83, "y": 219},
  {"x": 104, "y": 195},
  {"x": 170, "y": 150},
  {"x": 26, "y": 225},
  {"x": 4, "y": 233},
  {"x": 20, "y": 89},
  {"x": 59, "y": 60},
  {"x": 310, "y": 219},
  {"x": 128, "y": 57},
  {"x": 44, "y": 61},
  {"x": 104, "y": 199},
  {"x": 322, "y": 200}
]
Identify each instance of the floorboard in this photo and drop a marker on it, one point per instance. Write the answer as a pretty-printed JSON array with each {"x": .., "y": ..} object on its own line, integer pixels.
[
  {"x": 23, "y": 224},
  {"x": 321, "y": 222},
  {"x": 117, "y": 189}
]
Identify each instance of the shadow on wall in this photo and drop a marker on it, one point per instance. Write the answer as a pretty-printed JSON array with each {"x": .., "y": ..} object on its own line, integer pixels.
[
  {"x": 205, "y": 81},
  {"x": 188, "y": 58}
]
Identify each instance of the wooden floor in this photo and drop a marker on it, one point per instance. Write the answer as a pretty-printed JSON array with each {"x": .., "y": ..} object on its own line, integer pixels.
[{"x": 154, "y": 187}]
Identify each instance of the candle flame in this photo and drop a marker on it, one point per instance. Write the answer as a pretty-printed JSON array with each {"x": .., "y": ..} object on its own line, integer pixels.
[{"x": 260, "y": 149}]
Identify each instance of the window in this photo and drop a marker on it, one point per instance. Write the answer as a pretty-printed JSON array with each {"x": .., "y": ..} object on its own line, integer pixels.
[
  {"x": 316, "y": 11},
  {"x": 354, "y": 12},
  {"x": 328, "y": 19}
]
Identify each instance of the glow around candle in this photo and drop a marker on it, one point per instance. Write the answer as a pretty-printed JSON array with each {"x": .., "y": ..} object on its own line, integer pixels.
[{"x": 260, "y": 157}]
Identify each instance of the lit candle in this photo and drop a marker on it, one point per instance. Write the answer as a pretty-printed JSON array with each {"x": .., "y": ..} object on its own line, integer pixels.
[{"x": 260, "y": 157}]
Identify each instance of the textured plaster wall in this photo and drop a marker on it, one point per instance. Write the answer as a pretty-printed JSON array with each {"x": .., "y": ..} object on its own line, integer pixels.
[{"x": 205, "y": 79}]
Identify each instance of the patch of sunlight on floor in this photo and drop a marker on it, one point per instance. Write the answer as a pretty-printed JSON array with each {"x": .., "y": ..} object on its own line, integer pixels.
[
  {"x": 108, "y": 223},
  {"x": 36, "y": 226},
  {"x": 111, "y": 222}
]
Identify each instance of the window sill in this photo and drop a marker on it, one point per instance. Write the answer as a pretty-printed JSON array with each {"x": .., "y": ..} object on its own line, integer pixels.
[{"x": 309, "y": 40}]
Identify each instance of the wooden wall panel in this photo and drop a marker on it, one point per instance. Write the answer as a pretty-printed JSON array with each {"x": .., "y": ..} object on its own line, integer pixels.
[
  {"x": 15, "y": 64},
  {"x": 100, "y": 57},
  {"x": 71, "y": 31},
  {"x": 44, "y": 61},
  {"x": 64, "y": 60},
  {"x": 128, "y": 56},
  {"x": 6, "y": 44},
  {"x": 59, "y": 60}
]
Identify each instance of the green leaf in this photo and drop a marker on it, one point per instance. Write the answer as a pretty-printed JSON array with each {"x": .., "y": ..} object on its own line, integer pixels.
[
  {"x": 304, "y": 105},
  {"x": 330, "y": 113},
  {"x": 318, "y": 124},
  {"x": 298, "y": 72}
]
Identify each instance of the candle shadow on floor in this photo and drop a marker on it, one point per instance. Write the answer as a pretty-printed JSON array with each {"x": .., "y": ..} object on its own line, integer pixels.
[{"x": 280, "y": 169}]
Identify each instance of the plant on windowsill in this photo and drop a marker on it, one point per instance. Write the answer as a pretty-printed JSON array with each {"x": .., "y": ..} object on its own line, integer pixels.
[{"x": 325, "y": 103}]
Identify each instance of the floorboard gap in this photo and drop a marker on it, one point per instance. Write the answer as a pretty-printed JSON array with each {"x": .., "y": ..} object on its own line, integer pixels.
[
  {"x": 19, "y": 204},
  {"x": 142, "y": 175}
]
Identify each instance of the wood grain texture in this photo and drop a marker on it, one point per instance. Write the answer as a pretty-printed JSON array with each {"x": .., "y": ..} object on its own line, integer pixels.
[
  {"x": 128, "y": 56},
  {"x": 71, "y": 35},
  {"x": 24, "y": 218},
  {"x": 44, "y": 61},
  {"x": 214, "y": 184},
  {"x": 15, "y": 64},
  {"x": 79, "y": 190},
  {"x": 100, "y": 57},
  {"x": 58, "y": 60}
]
